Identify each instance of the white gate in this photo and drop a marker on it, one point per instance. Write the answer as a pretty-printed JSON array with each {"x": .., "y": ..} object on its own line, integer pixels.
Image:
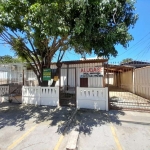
[
  {"x": 49, "y": 96},
  {"x": 92, "y": 98},
  {"x": 40, "y": 95}
]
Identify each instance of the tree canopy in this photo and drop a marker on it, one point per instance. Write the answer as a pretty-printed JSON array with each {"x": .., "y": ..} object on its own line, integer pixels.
[
  {"x": 9, "y": 59},
  {"x": 126, "y": 60},
  {"x": 38, "y": 29}
]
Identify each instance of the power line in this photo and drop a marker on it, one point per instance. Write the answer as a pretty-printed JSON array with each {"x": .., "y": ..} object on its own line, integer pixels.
[
  {"x": 143, "y": 52},
  {"x": 145, "y": 48},
  {"x": 134, "y": 45},
  {"x": 141, "y": 45},
  {"x": 139, "y": 41}
]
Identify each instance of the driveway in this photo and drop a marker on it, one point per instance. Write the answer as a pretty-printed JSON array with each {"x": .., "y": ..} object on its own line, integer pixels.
[{"x": 123, "y": 99}]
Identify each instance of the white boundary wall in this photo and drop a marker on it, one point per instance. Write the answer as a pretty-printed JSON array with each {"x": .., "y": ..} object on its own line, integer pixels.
[
  {"x": 40, "y": 95},
  {"x": 92, "y": 98}
]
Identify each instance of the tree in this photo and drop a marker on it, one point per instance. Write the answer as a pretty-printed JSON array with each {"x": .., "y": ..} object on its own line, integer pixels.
[
  {"x": 9, "y": 59},
  {"x": 126, "y": 60},
  {"x": 39, "y": 29}
]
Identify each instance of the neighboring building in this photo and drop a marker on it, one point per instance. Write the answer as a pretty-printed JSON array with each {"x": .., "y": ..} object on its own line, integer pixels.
[
  {"x": 136, "y": 64},
  {"x": 11, "y": 73}
]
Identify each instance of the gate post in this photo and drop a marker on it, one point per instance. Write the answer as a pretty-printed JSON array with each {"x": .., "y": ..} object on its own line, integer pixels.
[{"x": 107, "y": 99}]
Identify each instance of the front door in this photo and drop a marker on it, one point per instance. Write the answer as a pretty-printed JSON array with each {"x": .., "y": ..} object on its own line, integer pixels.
[{"x": 83, "y": 82}]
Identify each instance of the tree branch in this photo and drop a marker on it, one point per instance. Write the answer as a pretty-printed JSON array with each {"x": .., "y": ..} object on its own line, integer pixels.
[
  {"x": 62, "y": 56},
  {"x": 30, "y": 56},
  {"x": 54, "y": 41},
  {"x": 33, "y": 68},
  {"x": 35, "y": 54},
  {"x": 114, "y": 16},
  {"x": 6, "y": 38},
  {"x": 59, "y": 55}
]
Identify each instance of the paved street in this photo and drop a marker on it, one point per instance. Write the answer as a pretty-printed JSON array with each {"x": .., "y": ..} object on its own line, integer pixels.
[
  {"x": 31, "y": 127},
  {"x": 41, "y": 127},
  {"x": 113, "y": 130}
]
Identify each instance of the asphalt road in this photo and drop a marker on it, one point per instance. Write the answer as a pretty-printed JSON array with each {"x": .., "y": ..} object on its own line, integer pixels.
[
  {"x": 41, "y": 127},
  {"x": 31, "y": 127},
  {"x": 113, "y": 130}
]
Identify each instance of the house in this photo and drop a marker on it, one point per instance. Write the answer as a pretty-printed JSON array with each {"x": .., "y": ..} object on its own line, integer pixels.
[
  {"x": 11, "y": 73},
  {"x": 82, "y": 73},
  {"x": 81, "y": 83}
]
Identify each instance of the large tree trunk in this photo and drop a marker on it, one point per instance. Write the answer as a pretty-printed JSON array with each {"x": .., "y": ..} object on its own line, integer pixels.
[
  {"x": 43, "y": 83},
  {"x": 57, "y": 73}
]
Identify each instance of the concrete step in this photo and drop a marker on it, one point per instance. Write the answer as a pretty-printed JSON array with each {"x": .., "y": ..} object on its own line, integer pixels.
[{"x": 72, "y": 142}]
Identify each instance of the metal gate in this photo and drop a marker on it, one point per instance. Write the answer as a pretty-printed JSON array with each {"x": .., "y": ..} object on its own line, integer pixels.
[
  {"x": 68, "y": 87},
  {"x": 122, "y": 94}
]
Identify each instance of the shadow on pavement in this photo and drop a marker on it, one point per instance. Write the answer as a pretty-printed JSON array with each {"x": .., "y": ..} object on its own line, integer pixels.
[
  {"x": 85, "y": 119},
  {"x": 12, "y": 114}
]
